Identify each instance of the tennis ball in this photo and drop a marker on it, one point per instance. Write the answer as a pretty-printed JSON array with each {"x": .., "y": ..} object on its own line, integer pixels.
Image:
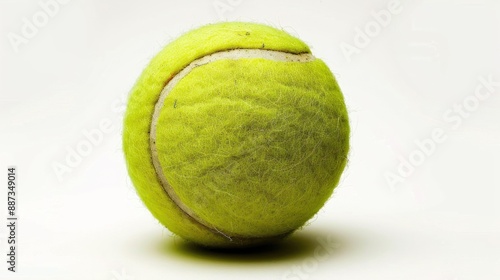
[{"x": 235, "y": 135}]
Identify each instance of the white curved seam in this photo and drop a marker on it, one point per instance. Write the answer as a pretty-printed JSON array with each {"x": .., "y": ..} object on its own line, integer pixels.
[{"x": 229, "y": 54}]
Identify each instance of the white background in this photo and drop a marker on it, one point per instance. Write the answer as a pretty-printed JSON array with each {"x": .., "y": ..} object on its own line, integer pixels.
[{"x": 441, "y": 222}]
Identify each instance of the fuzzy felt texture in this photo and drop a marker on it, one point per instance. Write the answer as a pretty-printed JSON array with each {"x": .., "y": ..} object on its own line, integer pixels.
[{"x": 254, "y": 147}]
